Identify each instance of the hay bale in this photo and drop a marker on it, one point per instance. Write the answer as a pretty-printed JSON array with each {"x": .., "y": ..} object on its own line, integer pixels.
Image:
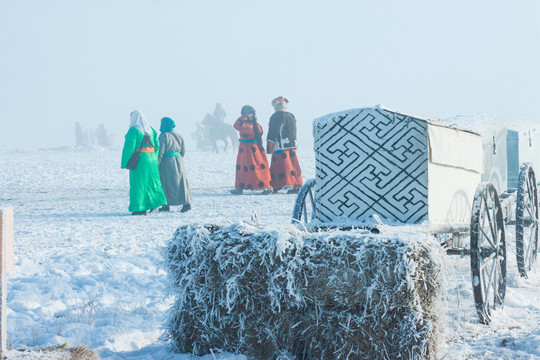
[{"x": 268, "y": 292}]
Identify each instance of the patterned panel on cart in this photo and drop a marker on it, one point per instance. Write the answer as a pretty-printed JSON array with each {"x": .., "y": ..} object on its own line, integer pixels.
[{"x": 371, "y": 161}]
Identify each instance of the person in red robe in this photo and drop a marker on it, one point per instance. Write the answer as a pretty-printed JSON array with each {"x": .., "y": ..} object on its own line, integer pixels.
[
  {"x": 281, "y": 143},
  {"x": 252, "y": 170}
]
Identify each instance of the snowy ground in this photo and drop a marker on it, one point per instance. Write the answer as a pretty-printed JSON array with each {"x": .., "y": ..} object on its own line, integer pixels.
[{"x": 88, "y": 273}]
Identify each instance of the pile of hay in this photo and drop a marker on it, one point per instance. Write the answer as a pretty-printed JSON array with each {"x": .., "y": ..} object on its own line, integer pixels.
[{"x": 267, "y": 292}]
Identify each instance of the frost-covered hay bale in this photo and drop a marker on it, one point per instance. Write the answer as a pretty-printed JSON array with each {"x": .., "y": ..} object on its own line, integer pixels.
[
  {"x": 266, "y": 292},
  {"x": 373, "y": 296},
  {"x": 228, "y": 294}
]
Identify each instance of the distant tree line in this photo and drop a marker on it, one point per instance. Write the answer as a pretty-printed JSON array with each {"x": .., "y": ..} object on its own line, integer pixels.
[{"x": 89, "y": 138}]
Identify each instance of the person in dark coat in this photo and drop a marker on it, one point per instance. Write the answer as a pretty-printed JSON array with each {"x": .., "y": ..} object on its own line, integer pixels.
[
  {"x": 281, "y": 143},
  {"x": 171, "y": 167},
  {"x": 252, "y": 171},
  {"x": 219, "y": 112}
]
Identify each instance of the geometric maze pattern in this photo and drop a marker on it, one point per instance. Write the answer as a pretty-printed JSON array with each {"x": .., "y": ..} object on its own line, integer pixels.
[{"x": 371, "y": 161}]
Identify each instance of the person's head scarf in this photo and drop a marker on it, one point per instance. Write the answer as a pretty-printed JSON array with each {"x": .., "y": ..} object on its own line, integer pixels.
[
  {"x": 139, "y": 121},
  {"x": 167, "y": 124}
]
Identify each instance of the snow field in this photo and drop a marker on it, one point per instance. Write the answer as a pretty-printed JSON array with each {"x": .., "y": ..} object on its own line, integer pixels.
[{"x": 86, "y": 272}]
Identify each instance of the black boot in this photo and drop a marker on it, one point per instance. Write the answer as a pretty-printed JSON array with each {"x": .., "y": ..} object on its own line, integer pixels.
[
  {"x": 165, "y": 208},
  {"x": 294, "y": 190},
  {"x": 138, "y": 213},
  {"x": 237, "y": 191},
  {"x": 186, "y": 208}
]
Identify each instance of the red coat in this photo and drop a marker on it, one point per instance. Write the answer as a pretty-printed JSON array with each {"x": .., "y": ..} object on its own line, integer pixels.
[{"x": 252, "y": 170}]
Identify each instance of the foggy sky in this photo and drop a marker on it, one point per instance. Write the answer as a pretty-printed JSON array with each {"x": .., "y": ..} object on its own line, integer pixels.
[{"x": 95, "y": 61}]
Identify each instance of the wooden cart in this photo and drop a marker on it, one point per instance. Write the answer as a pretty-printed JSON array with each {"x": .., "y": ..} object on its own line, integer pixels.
[{"x": 393, "y": 172}]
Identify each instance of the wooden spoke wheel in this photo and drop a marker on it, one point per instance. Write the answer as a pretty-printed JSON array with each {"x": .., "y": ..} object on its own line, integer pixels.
[
  {"x": 488, "y": 252},
  {"x": 304, "y": 207},
  {"x": 526, "y": 220}
]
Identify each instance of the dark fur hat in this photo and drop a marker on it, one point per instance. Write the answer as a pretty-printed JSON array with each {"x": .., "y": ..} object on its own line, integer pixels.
[{"x": 247, "y": 109}]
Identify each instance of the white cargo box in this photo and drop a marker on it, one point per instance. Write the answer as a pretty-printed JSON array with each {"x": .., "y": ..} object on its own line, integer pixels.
[
  {"x": 529, "y": 148},
  {"x": 501, "y": 158},
  {"x": 405, "y": 169}
]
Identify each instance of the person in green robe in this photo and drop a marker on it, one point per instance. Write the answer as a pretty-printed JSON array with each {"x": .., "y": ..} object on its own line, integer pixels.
[{"x": 145, "y": 192}]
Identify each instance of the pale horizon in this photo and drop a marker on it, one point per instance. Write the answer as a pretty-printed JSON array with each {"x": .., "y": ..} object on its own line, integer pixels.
[{"x": 94, "y": 62}]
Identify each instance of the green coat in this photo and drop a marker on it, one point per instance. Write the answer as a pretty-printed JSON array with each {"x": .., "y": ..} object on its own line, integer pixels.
[{"x": 145, "y": 190}]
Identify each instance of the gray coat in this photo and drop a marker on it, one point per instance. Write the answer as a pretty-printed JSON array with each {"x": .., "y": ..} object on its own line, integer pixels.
[{"x": 171, "y": 169}]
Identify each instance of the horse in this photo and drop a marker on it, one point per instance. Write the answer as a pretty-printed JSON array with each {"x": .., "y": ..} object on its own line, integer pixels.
[
  {"x": 215, "y": 130},
  {"x": 203, "y": 143}
]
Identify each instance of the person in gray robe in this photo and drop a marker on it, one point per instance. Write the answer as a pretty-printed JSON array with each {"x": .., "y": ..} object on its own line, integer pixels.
[{"x": 171, "y": 167}]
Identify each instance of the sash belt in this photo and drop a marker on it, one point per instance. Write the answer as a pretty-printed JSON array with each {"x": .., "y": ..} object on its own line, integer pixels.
[
  {"x": 146, "y": 149},
  {"x": 171, "y": 154},
  {"x": 248, "y": 140}
]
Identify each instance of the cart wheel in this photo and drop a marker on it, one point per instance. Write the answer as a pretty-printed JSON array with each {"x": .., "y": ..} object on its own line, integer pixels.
[
  {"x": 304, "y": 207},
  {"x": 526, "y": 220},
  {"x": 488, "y": 251}
]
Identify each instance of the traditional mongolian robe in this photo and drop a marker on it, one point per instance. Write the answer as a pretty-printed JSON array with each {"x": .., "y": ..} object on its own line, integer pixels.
[
  {"x": 252, "y": 171},
  {"x": 145, "y": 192},
  {"x": 171, "y": 169},
  {"x": 281, "y": 143}
]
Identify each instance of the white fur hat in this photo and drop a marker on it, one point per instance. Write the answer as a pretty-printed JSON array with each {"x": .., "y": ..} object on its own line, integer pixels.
[{"x": 280, "y": 103}]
